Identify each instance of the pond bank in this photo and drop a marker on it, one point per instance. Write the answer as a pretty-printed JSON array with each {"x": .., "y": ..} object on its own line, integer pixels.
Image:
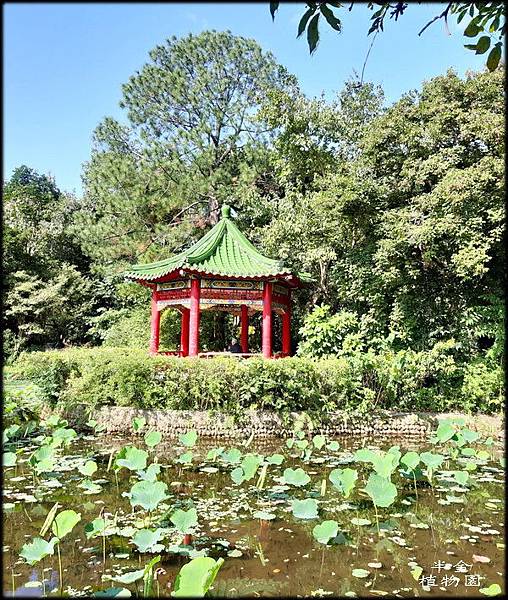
[{"x": 118, "y": 420}]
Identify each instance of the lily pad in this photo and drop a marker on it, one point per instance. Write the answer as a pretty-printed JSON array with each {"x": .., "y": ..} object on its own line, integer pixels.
[
  {"x": 297, "y": 477},
  {"x": 184, "y": 520},
  {"x": 382, "y": 491},
  {"x": 325, "y": 531},
  {"x": 152, "y": 438},
  {"x": 196, "y": 577},
  {"x": 148, "y": 494},
  {"x": 188, "y": 439},
  {"x": 305, "y": 509}
]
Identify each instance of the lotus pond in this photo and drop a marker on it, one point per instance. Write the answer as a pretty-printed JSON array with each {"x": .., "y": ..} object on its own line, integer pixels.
[{"x": 88, "y": 514}]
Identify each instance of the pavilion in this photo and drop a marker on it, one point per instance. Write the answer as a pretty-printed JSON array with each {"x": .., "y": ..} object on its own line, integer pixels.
[{"x": 222, "y": 271}]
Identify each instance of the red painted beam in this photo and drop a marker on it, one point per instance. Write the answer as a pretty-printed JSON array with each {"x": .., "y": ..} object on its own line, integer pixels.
[
  {"x": 184, "y": 334},
  {"x": 244, "y": 338},
  {"x": 267, "y": 320},
  {"x": 154, "y": 325},
  {"x": 194, "y": 317}
]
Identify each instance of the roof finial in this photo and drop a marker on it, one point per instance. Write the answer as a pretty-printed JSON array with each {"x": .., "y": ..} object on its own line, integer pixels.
[{"x": 226, "y": 211}]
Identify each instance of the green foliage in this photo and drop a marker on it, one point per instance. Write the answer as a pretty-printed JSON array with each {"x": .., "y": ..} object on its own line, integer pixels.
[
  {"x": 403, "y": 380},
  {"x": 194, "y": 578},
  {"x": 488, "y": 17}
]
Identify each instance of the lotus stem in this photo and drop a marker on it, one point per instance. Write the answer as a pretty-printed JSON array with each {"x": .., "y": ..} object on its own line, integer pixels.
[{"x": 60, "y": 567}]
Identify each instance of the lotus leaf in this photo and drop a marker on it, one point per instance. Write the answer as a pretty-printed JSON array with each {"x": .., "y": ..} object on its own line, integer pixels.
[
  {"x": 381, "y": 490},
  {"x": 147, "y": 540},
  {"x": 184, "y": 520},
  {"x": 150, "y": 473},
  {"x": 88, "y": 469},
  {"x": 237, "y": 475},
  {"x": 411, "y": 460},
  {"x": 232, "y": 456},
  {"x": 148, "y": 494},
  {"x": 305, "y": 509},
  {"x": 432, "y": 461},
  {"x": 185, "y": 458},
  {"x": 138, "y": 423},
  {"x": 325, "y": 531},
  {"x": 250, "y": 464},
  {"x": 297, "y": 477},
  {"x": 188, "y": 439},
  {"x": 152, "y": 438},
  {"x": 195, "y": 578},
  {"x": 344, "y": 480},
  {"x": 9, "y": 459},
  {"x": 132, "y": 458},
  {"x": 319, "y": 441},
  {"x": 275, "y": 459},
  {"x": 64, "y": 523},
  {"x": 38, "y": 549}
]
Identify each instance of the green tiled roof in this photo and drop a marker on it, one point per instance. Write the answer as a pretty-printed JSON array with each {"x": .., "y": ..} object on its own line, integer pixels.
[{"x": 223, "y": 251}]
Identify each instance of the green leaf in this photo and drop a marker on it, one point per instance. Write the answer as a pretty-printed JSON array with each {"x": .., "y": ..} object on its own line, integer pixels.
[
  {"x": 152, "y": 438},
  {"x": 132, "y": 459},
  {"x": 237, "y": 475},
  {"x": 445, "y": 431},
  {"x": 493, "y": 590},
  {"x": 88, "y": 469},
  {"x": 95, "y": 528},
  {"x": 344, "y": 480},
  {"x": 275, "y": 459},
  {"x": 148, "y": 494},
  {"x": 381, "y": 490},
  {"x": 129, "y": 577},
  {"x": 150, "y": 473},
  {"x": 493, "y": 59},
  {"x": 185, "y": 458},
  {"x": 483, "y": 44},
  {"x": 147, "y": 540},
  {"x": 138, "y": 423},
  {"x": 319, "y": 441},
  {"x": 472, "y": 30},
  {"x": 325, "y": 531},
  {"x": 232, "y": 456},
  {"x": 9, "y": 459},
  {"x": 37, "y": 549},
  {"x": 297, "y": 477},
  {"x": 333, "y": 446},
  {"x": 332, "y": 20},
  {"x": 432, "y": 461},
  {"x": 461, "y": 477},
  {"x": 64, "y": 523},
  {"x": 274, "y": 7},
  {"x": 250, "y": 465},
  {"x": 360, "y": 573},
  {"x": 188, "y": 439},
  {"x": 313, "y": 33},
  {"x": 114, "y": 592},
  {"x": 411, "y": 460},
  {"x": 303, "y": 21},
  {"x": 305, "y": 509},
  {"x": 195, "y": 578},
  {"x": 184, "y": 520}
]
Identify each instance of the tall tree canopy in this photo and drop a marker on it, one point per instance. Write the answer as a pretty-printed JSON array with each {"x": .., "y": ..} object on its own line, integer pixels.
[{"x": 192, "y": 131}]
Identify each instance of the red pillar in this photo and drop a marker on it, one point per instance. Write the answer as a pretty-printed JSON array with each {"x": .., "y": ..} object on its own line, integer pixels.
[
  {"x": 194, "y": 317},
  {"x": 184, "y": 334},
  {"x": 244, "y": 338},
  {"x": 154, "y": 325},
  {"x": 286, "y": 332},
  {"x": 267, "y": 320}
]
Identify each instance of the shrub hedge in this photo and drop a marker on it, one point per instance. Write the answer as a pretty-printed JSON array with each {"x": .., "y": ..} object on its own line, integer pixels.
[{"x": 403, "y": 380}]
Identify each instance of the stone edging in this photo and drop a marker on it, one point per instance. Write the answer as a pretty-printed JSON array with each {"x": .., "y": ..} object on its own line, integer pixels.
[{"x": 118, "y": 420}]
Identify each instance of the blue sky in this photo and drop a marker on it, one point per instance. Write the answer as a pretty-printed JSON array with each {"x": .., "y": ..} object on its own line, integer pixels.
[{"x": 64, "y": 64}]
